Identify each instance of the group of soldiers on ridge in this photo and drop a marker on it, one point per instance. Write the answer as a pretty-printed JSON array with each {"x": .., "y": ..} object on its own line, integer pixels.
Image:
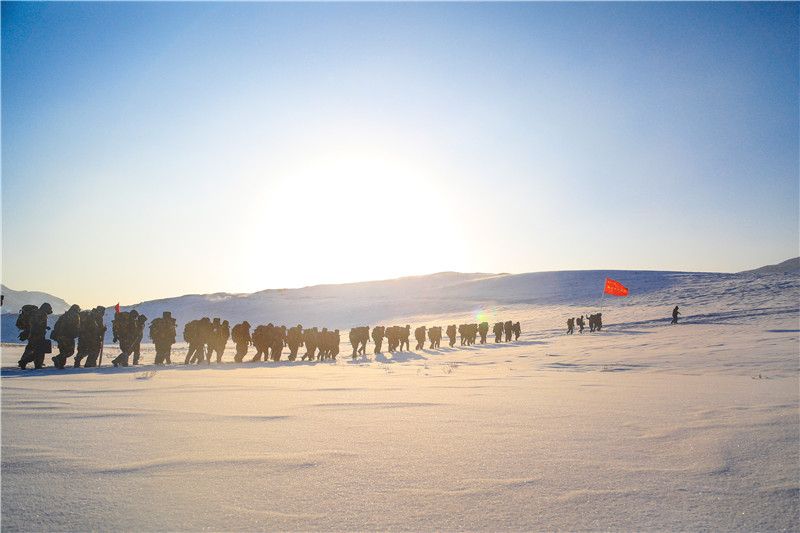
[
  {"x": 595, "y": 323},
  {"x": 206, "y": 337}
]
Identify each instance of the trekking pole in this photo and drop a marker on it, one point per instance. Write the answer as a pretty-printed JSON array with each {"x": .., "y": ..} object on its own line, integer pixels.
[{"x": 102, "y": 344}]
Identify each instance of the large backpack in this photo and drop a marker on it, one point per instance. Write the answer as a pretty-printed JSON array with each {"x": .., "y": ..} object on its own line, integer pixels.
[
  {"x": 68, "y": 325},
  {"x": 156, "y": 329},
  {"x": 190, "y": 331},
  {"x": 170, "y": 329},
  {"x": 88, "y": 325},
  {"x": 24, "y": 320},
  {"x": 237, "y": 333},
  {"x": 119, "y": 326}
]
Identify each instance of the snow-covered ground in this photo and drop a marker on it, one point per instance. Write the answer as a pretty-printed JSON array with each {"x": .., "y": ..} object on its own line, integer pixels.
[{"x": 642, "y": 426}]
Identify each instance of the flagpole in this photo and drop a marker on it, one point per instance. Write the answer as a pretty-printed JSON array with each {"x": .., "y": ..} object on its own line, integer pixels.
[{"x": 602, "y": 295}]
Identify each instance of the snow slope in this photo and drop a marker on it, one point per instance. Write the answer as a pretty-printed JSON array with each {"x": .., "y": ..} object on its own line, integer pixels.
[
  {"x": 790, "y": 265},
  {"x": 644, "y": 426}
]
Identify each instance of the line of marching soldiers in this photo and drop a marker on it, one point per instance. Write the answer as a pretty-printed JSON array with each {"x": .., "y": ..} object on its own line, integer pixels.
[
  {"x": 397, "y": 337},
  {"x": 86, "y": 326},
  {"x": 206, "y": 337}
]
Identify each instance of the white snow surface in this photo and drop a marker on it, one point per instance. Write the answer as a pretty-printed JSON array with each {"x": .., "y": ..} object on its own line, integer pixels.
[{"x": 644, "y": 426}]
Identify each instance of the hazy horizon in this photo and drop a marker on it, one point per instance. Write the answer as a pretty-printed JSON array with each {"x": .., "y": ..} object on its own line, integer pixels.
[{"x": 157, "y": 149}]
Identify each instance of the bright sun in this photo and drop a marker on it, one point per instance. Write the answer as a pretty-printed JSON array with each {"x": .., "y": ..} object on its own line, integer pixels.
[{"x": 358, "y": 215}]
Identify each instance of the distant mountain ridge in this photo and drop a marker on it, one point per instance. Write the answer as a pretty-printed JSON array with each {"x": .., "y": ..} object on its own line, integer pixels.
[
  {"x": 14, "y": 300},
  {"x": 790, "y": 265}
]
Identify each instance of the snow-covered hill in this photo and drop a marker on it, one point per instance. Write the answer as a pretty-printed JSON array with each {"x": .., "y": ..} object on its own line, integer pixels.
[
  {"x": 790, "y": 265},
  {"x": 14, "y": 300}
]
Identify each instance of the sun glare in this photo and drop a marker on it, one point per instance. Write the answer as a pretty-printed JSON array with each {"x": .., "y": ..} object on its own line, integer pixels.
[{"x": 360, "y": 213}]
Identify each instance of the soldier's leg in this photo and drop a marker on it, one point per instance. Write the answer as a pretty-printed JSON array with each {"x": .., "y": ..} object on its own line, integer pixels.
[
  {"x": 57, "y": 357},
  {"x": 165, "y": 353},
  {"x": 93, "y": 352},
  {"x": 117, "y": 361},
  {"x": 201, "y": 353},
  {"x": 27, "y": 355},
  {"x": 38, "y": 360},
  {"x": 189, "y": 354},
  {"x": 60, "y": 359},
  {"x": 122, "y": 358},
  {"x": 70, "y": 350}
]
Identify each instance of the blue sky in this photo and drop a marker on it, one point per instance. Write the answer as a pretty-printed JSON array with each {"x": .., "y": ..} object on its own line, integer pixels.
[{"x": 154, "y": 149}]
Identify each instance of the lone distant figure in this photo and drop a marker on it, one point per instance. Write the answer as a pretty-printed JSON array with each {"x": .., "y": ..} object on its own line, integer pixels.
[{"x": 675, "y": 314}]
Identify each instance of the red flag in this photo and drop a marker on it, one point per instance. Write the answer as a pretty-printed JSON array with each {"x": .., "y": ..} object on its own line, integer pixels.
[
  {"x": 615, "y": 288},
  {"x": 116, "y": 309}
]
